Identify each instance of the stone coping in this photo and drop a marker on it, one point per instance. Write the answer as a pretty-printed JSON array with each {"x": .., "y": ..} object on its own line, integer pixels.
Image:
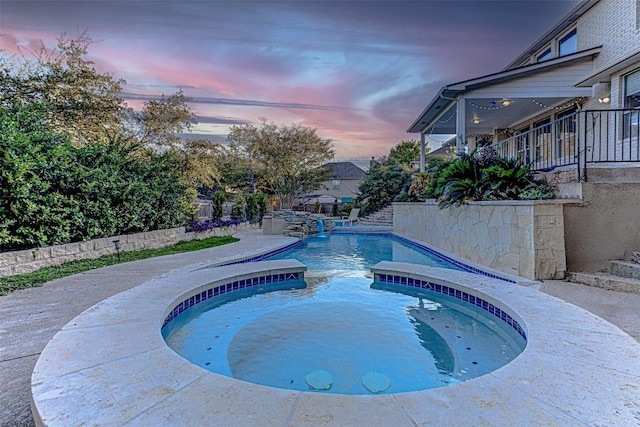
[
  {"x": 110, "y": 366},
  {"x": 568, "y": 201}
]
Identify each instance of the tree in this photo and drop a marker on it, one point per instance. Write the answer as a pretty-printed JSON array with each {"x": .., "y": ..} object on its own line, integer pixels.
[
  {"x": 88, "y": 106},
  {"x": 405, "y": 152},
  {"x": 383, "y": 183},
  {"x": 162, "y": 120},
  {"x": 79, "y": 100},
  {"x": 289, "y": 158}
]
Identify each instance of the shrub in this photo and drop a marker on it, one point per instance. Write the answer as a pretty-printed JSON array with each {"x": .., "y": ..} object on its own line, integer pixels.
[
  {"x": 199, "y": 227},
  {"x": 52, "y": 192},
  {"x": 256, "y": 207},
  {"x": 238, "y": 208},
  {"x": 217, "y": 205},
  {"x": 383, "y": 183}
]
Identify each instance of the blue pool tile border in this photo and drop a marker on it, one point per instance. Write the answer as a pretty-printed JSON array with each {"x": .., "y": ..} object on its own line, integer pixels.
[
  {"x": 462, "y": 266},
  {"x": 459, "y": 264},
  {"x": 234, "y": 284},
  {"x": 455, "y": 293},
  {"x": 268, "y": 254}
]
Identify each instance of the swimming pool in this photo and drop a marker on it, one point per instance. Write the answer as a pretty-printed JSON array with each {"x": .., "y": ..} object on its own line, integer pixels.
[
  {"x": 89, "y": 371},
  {"x": 341, "y": 332},
  {"x": 358, "y": 252}
]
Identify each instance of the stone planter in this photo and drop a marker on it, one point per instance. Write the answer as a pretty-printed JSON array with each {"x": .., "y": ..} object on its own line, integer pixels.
[{"x": 521, "y": 237}]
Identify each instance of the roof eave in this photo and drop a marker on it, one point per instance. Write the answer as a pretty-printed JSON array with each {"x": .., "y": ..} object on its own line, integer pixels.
[{"x": 447, "y": 94}]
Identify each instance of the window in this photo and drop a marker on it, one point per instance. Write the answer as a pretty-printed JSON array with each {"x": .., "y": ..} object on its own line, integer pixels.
[
  {"x": 523, "y": 144},
  {"x": 569, "y": 43},
  {"x": 631, "y": 100},
  {"x": 545, "y": 55},
  {"x": 335, "y": 184},
  {"x": 542, "y": 139},
  {"x": 568, "y": 122}
]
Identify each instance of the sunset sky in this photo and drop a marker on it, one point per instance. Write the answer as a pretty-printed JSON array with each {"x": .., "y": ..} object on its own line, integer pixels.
[{"x": 358, "y": 71}]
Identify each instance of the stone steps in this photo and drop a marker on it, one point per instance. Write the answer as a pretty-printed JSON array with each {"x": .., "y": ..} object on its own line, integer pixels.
[
  {"x": 623, "y": 275},
  {"x": 383, "y": 217},
  {"x": 606, "y": 281},
  {"x": 625, "y": 269}
]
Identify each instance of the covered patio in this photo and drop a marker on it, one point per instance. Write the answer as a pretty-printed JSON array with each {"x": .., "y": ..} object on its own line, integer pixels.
[{"x": 497, "y": 106}]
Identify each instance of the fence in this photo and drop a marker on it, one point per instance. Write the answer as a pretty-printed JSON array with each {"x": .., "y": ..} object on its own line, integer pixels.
[{"x": 581, "y": 138}]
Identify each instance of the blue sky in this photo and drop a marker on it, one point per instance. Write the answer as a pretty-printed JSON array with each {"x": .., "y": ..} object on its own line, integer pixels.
[{"x": 358, "y": 71}]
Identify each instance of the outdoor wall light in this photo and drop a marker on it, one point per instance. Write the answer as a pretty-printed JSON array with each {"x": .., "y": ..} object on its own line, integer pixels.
[
  {"x": 604, "y": 100},
  {"x": 506, "y": 102},
  {"x": 476, "y": 121},
  {"x": 116, "y": 243}
]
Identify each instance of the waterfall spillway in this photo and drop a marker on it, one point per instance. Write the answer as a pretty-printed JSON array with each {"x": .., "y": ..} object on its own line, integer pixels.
[{"x": 320, "y": 227}]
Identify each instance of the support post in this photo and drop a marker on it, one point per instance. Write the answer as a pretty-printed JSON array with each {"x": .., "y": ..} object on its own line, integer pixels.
[
  {"x": 461, "y": 136},
  {"x": 422, "y": 151}
]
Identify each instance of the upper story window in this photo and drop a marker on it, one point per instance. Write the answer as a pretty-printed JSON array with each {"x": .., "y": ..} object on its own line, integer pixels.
[
  {"x": 544, "y": 55},
  {"x": 568, "y": 44},
  {"x": 335, "y": 184}
]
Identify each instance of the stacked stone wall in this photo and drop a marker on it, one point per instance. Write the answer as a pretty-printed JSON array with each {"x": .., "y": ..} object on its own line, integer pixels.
[
  {"x": 525, "y": 238},
  {"x": 26, "y": 261}
]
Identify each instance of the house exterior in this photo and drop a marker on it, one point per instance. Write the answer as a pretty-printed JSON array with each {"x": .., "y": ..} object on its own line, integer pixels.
[
  {"x": 571, "y": 98},
  {"x": 569, "y": 106},
  {"x": 344, "y": 180}
]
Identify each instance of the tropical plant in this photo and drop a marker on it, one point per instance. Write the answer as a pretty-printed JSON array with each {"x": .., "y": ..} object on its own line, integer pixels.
[
  {"x": 463, "y": 182},
  {"x": 482, "y": 175},
  {"x": 505, "y": 179}
]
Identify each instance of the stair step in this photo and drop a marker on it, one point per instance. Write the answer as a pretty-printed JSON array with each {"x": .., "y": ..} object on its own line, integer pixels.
[
  {"x": 625, "y": 269},
  {"x": 606, "y": 281},
  {"x": 632, "y": 256}
]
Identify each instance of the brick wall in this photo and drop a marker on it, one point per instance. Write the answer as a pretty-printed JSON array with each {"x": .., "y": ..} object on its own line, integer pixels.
[{"x": 613, "y": 25}]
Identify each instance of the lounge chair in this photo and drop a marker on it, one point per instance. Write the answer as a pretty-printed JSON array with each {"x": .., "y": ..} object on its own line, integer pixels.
[{"x": 353, "y": 216}]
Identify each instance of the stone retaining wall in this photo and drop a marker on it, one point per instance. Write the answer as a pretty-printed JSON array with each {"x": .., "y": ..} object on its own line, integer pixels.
[
  {"x": 525, "y": 238},
  {"x": 26, "y": 261}
]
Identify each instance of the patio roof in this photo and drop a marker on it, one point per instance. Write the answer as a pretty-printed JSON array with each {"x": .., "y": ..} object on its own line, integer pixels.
[{"x": 502, "y": 99}]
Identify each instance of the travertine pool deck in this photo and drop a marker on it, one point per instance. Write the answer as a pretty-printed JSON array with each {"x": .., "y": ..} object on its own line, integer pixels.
[{"x": 110, "y": 366}]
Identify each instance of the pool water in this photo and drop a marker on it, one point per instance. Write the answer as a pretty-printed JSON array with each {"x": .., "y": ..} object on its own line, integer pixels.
[
  {"x": 357, "y": 252},
  {"x": 341, "y": 332}
]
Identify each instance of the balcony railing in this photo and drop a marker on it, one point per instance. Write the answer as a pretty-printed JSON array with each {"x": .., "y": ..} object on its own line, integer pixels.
[{"x": 582, "y": 138}]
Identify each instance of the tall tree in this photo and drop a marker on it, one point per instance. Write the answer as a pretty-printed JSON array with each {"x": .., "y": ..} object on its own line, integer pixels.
[
  {"x": 289, "y": 158},
  {"x": 405, "y": 152},
  {"x": 161, "y": 121},
  {"x": 79, "y": 100},
  {"x": 88, "y": 106}
]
